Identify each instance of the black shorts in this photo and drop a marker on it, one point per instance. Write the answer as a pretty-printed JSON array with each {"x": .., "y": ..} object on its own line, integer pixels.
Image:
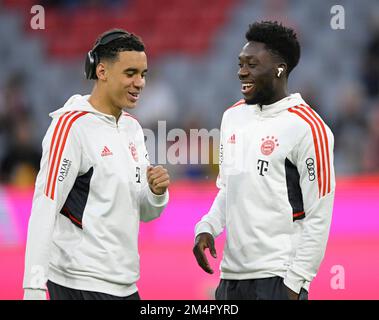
[
  {"x": 58, "y": 292},
  {"x": 255, "y": 289}
]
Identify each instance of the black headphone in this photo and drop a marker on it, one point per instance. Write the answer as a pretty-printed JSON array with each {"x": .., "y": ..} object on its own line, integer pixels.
[{"x": 92, "y": 58}]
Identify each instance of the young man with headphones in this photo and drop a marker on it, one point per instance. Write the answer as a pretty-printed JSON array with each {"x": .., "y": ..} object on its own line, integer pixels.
[
  {"x": 276, "y": 179},
  {"x": 95, "y": 184}
]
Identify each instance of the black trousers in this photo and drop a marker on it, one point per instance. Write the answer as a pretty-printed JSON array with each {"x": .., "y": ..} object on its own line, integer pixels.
[
  {"x": 255, "y": 289},
  {"x": 58, "y": 292}
]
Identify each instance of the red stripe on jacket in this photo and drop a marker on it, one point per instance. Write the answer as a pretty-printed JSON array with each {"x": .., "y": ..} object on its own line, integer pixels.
[
  {"x": 322, "y": 146},
  {"x": 315, "y": 142},
  {"x": 326, "y": 143},
  {"x": 54, "y": 147},
  {"x": 58, "y": 151},
  {"x": 238, "y": 103}
]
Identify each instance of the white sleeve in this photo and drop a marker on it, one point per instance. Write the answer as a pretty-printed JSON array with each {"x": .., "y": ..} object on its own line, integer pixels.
[
  {"x": 214, "y": 221},
  {"x": 51, "y": 190},
  {"x": 314, "y": 161},
  {"x": 35, "y": 294},
  {"x": 151, "y": 205}
]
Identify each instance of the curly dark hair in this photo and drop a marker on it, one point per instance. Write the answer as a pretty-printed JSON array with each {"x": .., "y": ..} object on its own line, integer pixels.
[
  {"x": 127, "y": 42},
  {"x": 280, "y": 40}
]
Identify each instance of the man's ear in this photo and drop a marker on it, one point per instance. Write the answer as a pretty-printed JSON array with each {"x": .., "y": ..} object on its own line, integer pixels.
[
  {"x": 101, "y": 71},
  {"x": 281, "y": 70}
]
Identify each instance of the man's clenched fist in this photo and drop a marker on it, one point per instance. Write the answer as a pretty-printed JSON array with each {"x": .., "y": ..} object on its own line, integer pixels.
[{"x": 158, "y": 179}]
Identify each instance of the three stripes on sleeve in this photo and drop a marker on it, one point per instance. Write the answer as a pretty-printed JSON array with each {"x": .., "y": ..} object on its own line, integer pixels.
[
  {"x": 321, "y": 144},
  {"x": 57, "y": 145}
]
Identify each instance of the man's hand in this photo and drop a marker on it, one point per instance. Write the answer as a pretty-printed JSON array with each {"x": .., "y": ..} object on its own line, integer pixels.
[
  {"x": 203, "y": 241},
  {"x": 158, "y": 179}
]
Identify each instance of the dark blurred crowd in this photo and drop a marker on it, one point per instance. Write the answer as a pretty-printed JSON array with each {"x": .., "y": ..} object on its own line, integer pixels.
[
  {"x": 356, "y": 129},
  {"x": 370, "y": 76},
  {"x": 20, "y": 152}
]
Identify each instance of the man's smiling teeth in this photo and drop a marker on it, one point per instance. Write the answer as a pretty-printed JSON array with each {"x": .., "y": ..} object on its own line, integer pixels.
[{"x": 246, "y": 87}]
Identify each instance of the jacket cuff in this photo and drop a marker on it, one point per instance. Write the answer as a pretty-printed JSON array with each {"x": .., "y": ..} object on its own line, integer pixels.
[
  {"x": 34, "y": 294},
  {"x": 203, "y": 228},
  {"x": 295, "y": 282},
  {"x": 157, "y": 200}
]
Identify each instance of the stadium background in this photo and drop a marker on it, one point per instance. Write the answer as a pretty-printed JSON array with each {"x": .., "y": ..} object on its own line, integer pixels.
[{"x": 192, "y": 48}]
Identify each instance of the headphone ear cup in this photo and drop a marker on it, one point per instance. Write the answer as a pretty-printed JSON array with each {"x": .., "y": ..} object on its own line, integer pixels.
[
  {"x": 87, "y": 65},
  {"x": 94, "y": 65},
  {"x": 90, "y": 65}
]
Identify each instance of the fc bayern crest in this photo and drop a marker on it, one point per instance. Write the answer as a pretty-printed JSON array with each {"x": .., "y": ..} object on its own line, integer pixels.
[
  {"x": 133, "y": 151},
  {"x": 268, "y": 145}
]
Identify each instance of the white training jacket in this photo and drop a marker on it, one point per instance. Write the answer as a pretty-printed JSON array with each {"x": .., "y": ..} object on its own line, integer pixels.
[
  {"x": 276, "y": 194},
  {"x": 90, "y": 195}
]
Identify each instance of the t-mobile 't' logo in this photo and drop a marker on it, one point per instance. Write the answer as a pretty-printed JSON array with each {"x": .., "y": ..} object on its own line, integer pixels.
[{"x": 262, "y": 166}]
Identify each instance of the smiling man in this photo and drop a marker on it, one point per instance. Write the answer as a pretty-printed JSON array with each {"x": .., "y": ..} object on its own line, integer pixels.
[
  {"x": 276, "y": 179},
  {"x": 95, "y": 184}
]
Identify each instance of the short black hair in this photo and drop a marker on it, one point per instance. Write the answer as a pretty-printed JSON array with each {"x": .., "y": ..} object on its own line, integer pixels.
[
  {"x": 127, "y": 42},
  {"x": 278, "y": 39}
]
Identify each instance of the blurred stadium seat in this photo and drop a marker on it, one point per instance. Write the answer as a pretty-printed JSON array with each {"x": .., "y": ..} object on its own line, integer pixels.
[{"x": 176, "y": 25}]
